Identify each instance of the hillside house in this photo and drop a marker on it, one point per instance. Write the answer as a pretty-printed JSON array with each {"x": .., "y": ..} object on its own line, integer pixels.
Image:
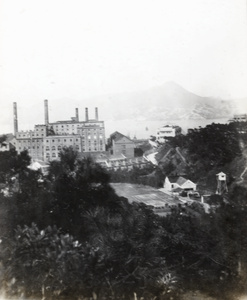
[
  {"x": 39, "y": 165},
  {"x": 178, "y": 183},
  {"x": 120, "y": 144},
  {"x": 116, "y": 162},
  {"x": 168, "y": 131},
  {"x": 7, "y": 144}
]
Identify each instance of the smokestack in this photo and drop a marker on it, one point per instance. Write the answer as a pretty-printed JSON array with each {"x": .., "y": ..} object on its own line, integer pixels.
[
  {"x": 86, "y": 114},
  {"x": 77, "y": 114},
  {"x": 15, "y": 119},
  {"x": 96, "y": 114},
  {"x": 46, "y": 112}
]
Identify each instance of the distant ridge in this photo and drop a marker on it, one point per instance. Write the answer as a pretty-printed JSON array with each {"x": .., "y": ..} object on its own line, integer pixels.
[{"x": 169, "y": 101}]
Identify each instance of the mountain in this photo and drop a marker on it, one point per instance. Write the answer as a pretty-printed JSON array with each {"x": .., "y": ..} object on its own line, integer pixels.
[{"x": 169, "y": 101}]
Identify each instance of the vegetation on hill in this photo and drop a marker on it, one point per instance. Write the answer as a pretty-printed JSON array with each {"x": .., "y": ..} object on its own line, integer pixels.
[
  {"x": 206, "y": 152},
  {"x": 69, "y": 236}
]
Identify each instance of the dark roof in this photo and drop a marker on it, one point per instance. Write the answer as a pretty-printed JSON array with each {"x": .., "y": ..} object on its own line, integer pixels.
[
  {"x": 177, "y": 179},
  {"x": 116, "y": 136}
]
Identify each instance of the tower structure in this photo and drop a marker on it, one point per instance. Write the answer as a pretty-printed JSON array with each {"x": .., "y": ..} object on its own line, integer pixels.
[
  {"x": 221, "y": 183},
  {"x": 86, "y": 114},
  {"x": 46, "y": 112},
  {"x": 96, "y": 114},
  {"x": 77, "y": 115},
  {"x": 15, "y": 118}
]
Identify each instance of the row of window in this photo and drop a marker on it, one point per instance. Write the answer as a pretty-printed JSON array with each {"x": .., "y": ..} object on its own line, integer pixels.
[
  {"x": 55, "y": 155},
  {"x": 58, "y": 148},
  {"x": 31, "y": 141},
  {"x": 38, "y": 129},
  {"x": 59, "y": 140},
  {"x": 27, "y": 135},
  {"x": 24, "y": 148},
  {"x": 78, "y": 125}
]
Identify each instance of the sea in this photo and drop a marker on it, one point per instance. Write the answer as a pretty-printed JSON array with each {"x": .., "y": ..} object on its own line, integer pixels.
[{"x": 143, "y": 129}]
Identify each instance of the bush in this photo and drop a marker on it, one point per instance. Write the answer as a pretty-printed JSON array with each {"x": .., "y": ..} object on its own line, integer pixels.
[{"x": 42, "y": 262}]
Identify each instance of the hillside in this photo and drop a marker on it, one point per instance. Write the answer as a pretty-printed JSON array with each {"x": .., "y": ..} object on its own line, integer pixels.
[
  {"x": 201, "y": 157},
  {"x": 169, "y": 101}
]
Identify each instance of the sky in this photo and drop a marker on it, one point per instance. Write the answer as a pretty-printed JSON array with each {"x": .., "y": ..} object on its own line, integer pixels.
[{"x": 67, "y": 51}]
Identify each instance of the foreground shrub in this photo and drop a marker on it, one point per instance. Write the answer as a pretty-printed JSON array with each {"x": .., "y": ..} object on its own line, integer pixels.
[{"x": 45, "y": 263}]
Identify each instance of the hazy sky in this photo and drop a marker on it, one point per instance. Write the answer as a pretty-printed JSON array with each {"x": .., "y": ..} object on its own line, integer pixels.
[{"x": 75, "y": 49}]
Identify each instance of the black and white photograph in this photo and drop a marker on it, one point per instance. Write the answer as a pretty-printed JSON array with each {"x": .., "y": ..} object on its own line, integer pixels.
[{"x": 123, "y": 150}]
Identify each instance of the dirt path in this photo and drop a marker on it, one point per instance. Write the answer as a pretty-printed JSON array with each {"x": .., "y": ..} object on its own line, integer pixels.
[{"x": 241, "y": 176}]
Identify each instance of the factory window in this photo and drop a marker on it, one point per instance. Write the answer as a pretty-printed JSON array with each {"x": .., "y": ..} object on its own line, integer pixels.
[
  {"x": 62, "y": 125},
  {"x": 65, "y": 140},
  {"x": 95, "y": 149},
  {"x": 37, "y": 147},
  {"x": 33, "y": 147},
  {"x": 53, "y": 154},
  {"x": 47, "y": 149},
  {"x": 47, "y": 141},
  {"x": 59, "y": 148},
  {"x": 42, "y": 129},
  {"x": 58, "y": 140},
  {"x": 71, "y": 140},
  {"x": 76, "y": 140},
  {"x": 53, "y": 148},
  {"x": 77, "y": 147},
  {"x": 89, "y": 149},
  {"x": 47, "y": 154},
  {"x": 53, "y": 141}
]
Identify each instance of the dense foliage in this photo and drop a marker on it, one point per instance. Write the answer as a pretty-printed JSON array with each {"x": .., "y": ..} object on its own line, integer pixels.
[
  {"x": 70, "y": 236},
  {"x": 213, "y": 145},
  {"x": 148, "y": 175}
]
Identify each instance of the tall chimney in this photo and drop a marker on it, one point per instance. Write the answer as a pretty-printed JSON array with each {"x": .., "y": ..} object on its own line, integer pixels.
[
  {"x": 46, "y": 112},
  {"x": 15, "y": 118},
  {"x": 96, "y": 114},
  {"x": 86, "y": 114},
  {"x": 77, "y": 115}
]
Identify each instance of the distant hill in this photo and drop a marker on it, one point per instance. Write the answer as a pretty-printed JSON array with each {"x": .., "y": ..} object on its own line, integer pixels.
[{"x": 169, "y": 101}]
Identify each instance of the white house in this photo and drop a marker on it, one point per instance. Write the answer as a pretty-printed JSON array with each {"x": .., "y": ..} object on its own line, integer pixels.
[
  {"x": 167, "y": 131},
  {"x": 39, "y": 165},
  {"x": 177, "y": 183}
]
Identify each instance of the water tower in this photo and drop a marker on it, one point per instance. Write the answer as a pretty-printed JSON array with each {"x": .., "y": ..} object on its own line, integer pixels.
[{"x": 221, "y": 183}]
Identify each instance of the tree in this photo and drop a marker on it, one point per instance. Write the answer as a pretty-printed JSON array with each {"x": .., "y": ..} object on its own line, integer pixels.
[{"x": 43, "y": 263}]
